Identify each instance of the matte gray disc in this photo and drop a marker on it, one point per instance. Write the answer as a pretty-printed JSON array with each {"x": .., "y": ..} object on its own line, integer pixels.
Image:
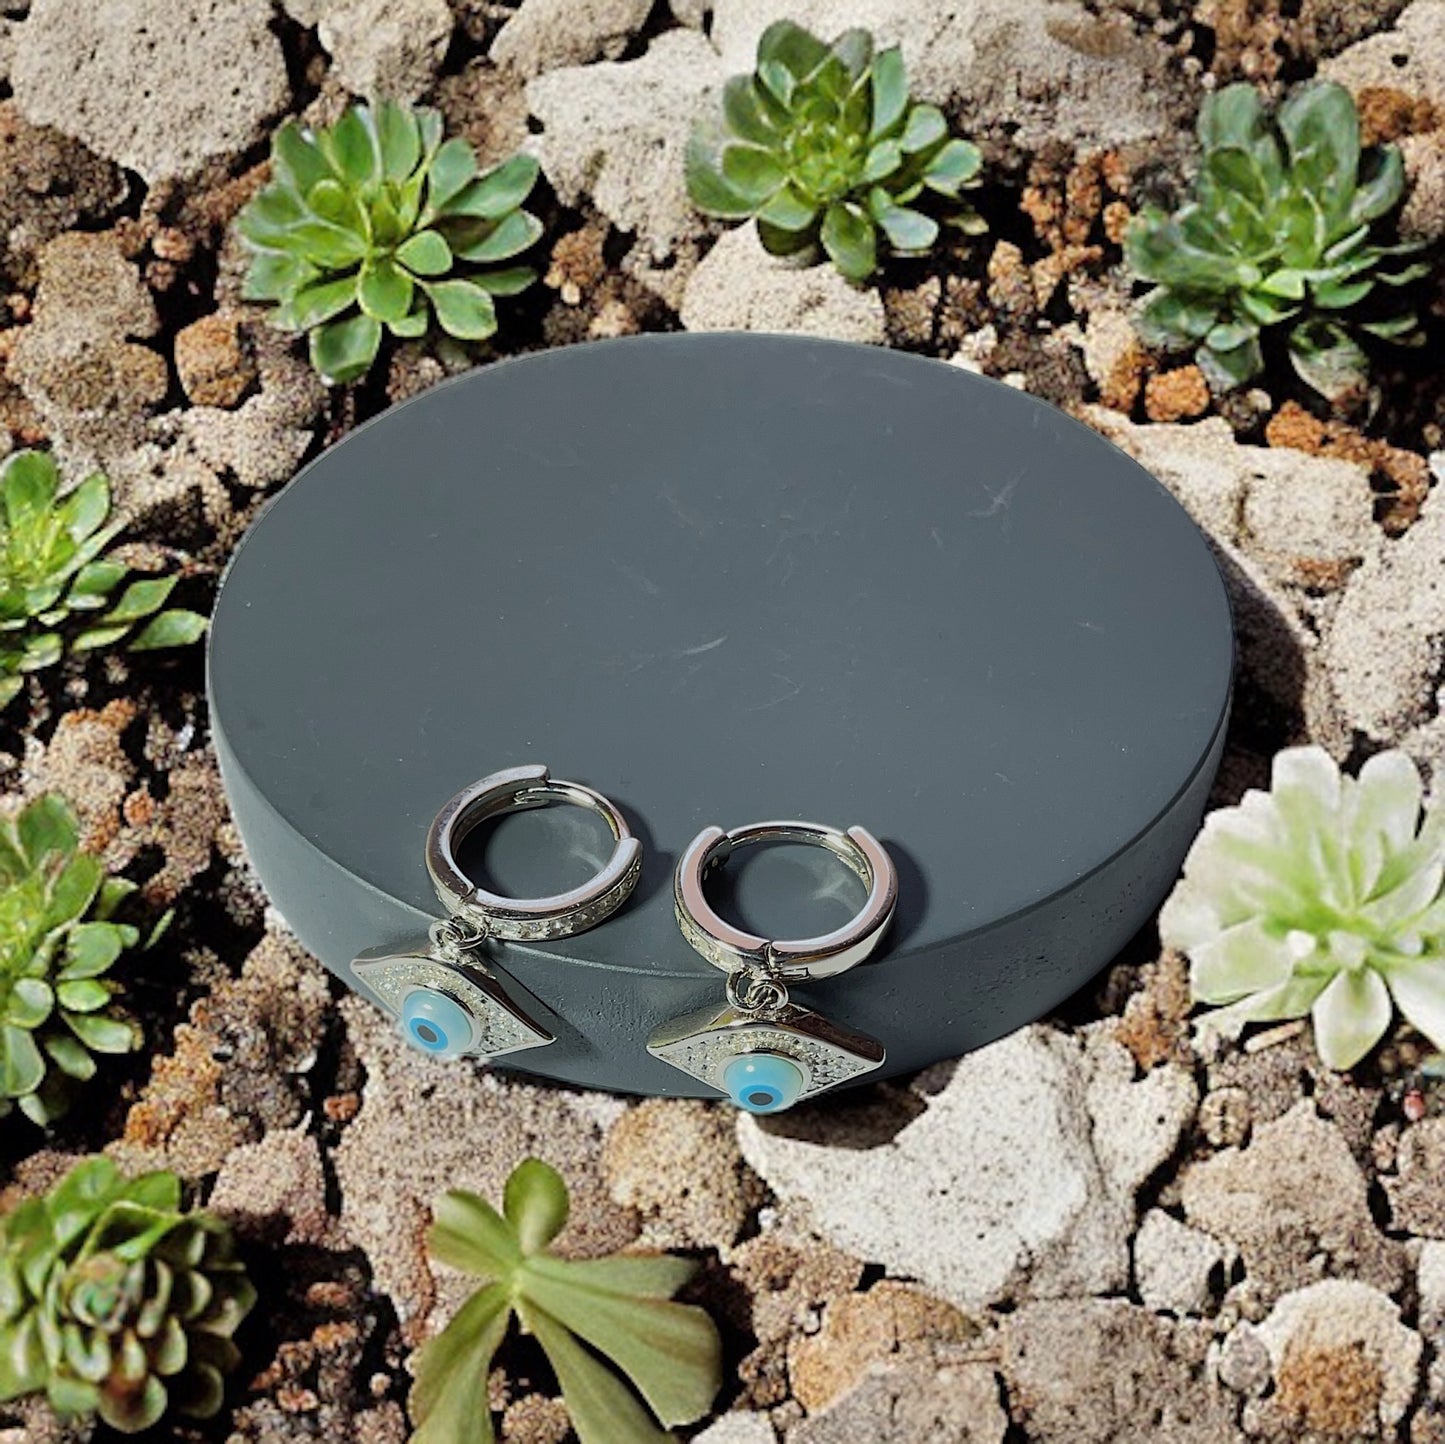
[{"x": 726, "y": 578}]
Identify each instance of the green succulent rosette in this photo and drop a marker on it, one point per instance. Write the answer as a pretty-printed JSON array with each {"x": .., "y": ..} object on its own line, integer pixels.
[
  {"x": 824, "y": 146},
  {"x": 376, "y": 223},
  {"x": 58, "y": 941},
  {"x": 116, "y": 1302},
  {"x": 1284, "y": 233},
  {"x": 55, "y": 584},
  {"x": 1320, "y": 897}
]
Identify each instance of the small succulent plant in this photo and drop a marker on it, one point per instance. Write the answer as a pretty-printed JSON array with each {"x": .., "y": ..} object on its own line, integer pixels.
[
  {"x": 822, "y": 144},
  {"x": 115, "y": 1301},
  {"x": 377, "y": 222},
  {"x": 1321, "y": 896},
  {"x": 577, "y": 1309},
  {"x": 57, "y": 942},
  {"x": 1283, "y": 231},
  {"x": 52, "y": 572}
]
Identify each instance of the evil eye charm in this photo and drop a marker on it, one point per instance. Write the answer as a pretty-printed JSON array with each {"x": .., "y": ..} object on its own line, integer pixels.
[
  {"x": 436, "y": 1023},
  {"x": 447, "y": 1008},
  {"x": 765, "y": 1063},
  {"x": 764, "y": 1082}
]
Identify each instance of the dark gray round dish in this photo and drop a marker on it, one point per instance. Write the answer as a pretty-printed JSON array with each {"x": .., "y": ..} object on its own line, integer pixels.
[{"x": 726, "y": 578}]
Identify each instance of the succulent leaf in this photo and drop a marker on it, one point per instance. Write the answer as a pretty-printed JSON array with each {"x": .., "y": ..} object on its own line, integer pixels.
[
  {"x": 115, "y": 1301},
  {"x": 824, "y": 147},
  {"x": 56, "y": 946},
  {"x": 1283, "y": 211},
  {"x": 583, "y": 1312},
  {"x": 1321, "y": 896},
  {"x": 50, "y": 570},
  {"x": 377, "y": 224}
]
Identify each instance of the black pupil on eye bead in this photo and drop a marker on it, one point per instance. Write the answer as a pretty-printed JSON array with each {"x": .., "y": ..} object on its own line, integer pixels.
[
  {"x": 760, "y": 1099},
  {"x": 426, "y": 1033}
]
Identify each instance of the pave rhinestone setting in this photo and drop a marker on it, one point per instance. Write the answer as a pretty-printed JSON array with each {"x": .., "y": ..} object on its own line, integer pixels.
[
  {"x": 500, "y": 1026},
  {"x": 531, "y": 929},
  {"x": 703, "y": 1045}
]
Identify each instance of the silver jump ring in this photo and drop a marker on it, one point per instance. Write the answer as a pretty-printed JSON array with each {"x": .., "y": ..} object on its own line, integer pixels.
[
  {"x": 794, "y": 960},
  {"x": 756, "y": 993},
  {"x": 528, "y": 919}
]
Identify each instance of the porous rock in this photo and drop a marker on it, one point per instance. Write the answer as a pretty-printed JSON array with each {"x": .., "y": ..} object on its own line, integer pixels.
[
  {"x": 952, "y": 1199},
  {"x": 1106, "y": 1371},
  {"x": 1422, "y": 218},
  {"x": 85, "y": 760},
  {"x": 1410, "y": 57},
  {"x": 905, "y": 1403},
  {"x": 1295, "y": 1205},
  {"x": 787, "y": 1281},
  {"x": 1050, "y": 71},
  {"x": 1173, "y": 1263},
  {"x": 737, "y": 286},
  {"x": 212, "y": 361},
  {"x": 79, "y": 361},
  {"x": 1417, "y": 1199},
  {"x": 238, "y": 1068},
  {"x": 547, "y": 34},
  {"x": 1281, "y": 506},
  {"x": 153, "y": 86},
  {"x": 891, "y": 1323},
  {"x": 676, "y": 1162},
  {"x": 1212, "y": 478},
  {"x": 739, "y": 1428},
  {"x": 1344, "y": 1365},
  {"x": 48, "y": 184},
  {"x": 380, "y": 48},
  {"x": 616, "y": 132},
  {"x": 1386, "y": 648},
  {"x": 278, "y": 1181},
  {"x": 426, "y": 1127}
]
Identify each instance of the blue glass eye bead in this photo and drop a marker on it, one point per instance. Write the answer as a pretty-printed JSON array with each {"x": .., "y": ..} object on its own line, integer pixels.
[
  {"x": 763, "y": 1082},
  {"x": 435, "y": 1023}
]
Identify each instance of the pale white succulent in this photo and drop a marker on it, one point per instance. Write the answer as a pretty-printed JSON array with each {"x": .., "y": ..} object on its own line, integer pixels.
[{"x": 1321, "y": 896}]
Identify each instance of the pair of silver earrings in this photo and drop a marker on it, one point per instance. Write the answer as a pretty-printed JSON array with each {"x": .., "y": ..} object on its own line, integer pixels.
[{"x": 760, "y": 1048}]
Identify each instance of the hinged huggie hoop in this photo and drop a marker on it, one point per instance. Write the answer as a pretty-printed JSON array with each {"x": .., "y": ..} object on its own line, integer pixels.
[
  {"x": 449, "y": 999},
  {"x": 763, "y": 1050}
]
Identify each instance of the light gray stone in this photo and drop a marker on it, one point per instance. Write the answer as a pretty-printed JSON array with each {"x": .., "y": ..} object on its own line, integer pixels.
[
  {"x": 1256, "y": 505},
  {"x": 738, "y": 286},
  {"x": 1386, "y": 648},
  {"x": 1336, "y": 1315},
  {"x": 616, "y": 132},
  {"x": 280, "y": 1179},
  {"x": 1409, "y": 57},
  {"x": 739, "y": 1428},
  {"x": 80, "y": 361},
  {"x": 953, "y": 1199},
  {"x": 380, "y": 48},
  {"x": 1107, "y": 1371},
  {"x": 1417, "y": 1200},
  {"x": 1244, "y": 1364},
  {"x": 150, "y": 87},
  {"x": 1053, "y": 70},
  {"x": 1430, "y": 1282},
  {"x": 1173, "y": 1263},
  {"x": 1276, "y": 503},
  {"x": 546, "y": 34},
  {"x": 1295, "y": 1205},
  {"x": 906, "y": 1404}
]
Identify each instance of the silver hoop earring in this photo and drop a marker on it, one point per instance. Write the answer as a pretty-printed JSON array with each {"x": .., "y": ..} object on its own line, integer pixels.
[
  {"x": 763, "y": 1050},
  {"x": 451, "y": 1003}
]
